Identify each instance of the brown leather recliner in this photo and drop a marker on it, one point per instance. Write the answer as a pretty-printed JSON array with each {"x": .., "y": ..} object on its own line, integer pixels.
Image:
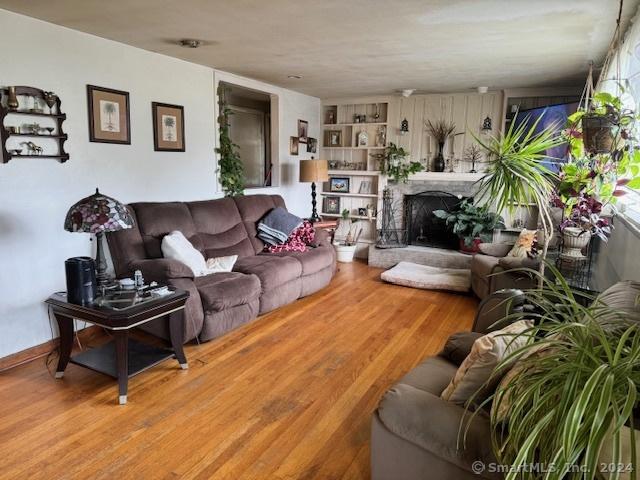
[{"x": 220, "y": 302}]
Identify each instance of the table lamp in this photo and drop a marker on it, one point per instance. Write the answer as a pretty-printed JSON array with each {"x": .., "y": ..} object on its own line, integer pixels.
[
  {"x": 98, "y": 214},
  {"x": 314, "y": 171}
]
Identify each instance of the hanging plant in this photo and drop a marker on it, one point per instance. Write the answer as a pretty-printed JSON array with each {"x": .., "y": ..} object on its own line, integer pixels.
[
  {"x": 230, "y": 166},
  {"x": 394, "y": 164}
]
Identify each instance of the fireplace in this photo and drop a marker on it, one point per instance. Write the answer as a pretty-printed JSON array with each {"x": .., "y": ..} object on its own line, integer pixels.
[{"x": 425, "y": 229}]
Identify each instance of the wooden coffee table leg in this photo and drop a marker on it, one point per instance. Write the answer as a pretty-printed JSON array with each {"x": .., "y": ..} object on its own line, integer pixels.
[
  {"x": 122, "y": 363},
  {"x": 65, "y": 326},
  {"x": 176, "y": 331}
]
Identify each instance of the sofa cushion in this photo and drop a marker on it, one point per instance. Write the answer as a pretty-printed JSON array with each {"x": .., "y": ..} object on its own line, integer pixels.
[
  {"x": 312, "y": 261},
  {"x": 624, "y": 297},
  {"x": 432, "y": 375},
  {"x": 220, "y": 228},
  {"x": 252, "y": 208},
  {"x": 155, "y": 220},
  {"x": 221, "y": 291},
  {"x": 458, "y": 346},
  {"x": 272, "y": 271},
  {"x": 433, "y": 424}
]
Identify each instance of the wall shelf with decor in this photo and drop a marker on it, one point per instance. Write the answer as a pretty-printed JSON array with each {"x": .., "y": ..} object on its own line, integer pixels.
[
  {"x": 19, "y": 103},
  {"x": 354, "y": 136}
]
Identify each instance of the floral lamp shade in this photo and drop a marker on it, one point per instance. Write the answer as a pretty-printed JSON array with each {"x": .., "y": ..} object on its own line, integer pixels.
[{"x": 96, "y": 214}]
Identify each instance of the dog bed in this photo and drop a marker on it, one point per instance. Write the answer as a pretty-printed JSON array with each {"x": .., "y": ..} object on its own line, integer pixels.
[{"x": 413, "y": 275}]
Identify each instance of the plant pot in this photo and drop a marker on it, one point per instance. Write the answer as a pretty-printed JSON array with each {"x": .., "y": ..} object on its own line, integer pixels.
[
  {"x": 596, "y": 133},
  {"x": 473, "y": 248},
  {"x": 345, "y": 253},
  {"x": 574, "y": 240},
  {"x": 438, "y": 161}
]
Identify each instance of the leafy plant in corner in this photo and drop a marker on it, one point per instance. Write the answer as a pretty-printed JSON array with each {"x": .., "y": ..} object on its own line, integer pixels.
[
  {"x": 395, "y": 166},
  {"x": 570, "y": 393},
  {"x": 471, "y": 223},
  {"x": 230, "y": 166}
]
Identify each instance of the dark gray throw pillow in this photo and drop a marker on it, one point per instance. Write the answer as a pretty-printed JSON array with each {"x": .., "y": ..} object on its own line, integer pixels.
[{"x": 458, "y": 346}]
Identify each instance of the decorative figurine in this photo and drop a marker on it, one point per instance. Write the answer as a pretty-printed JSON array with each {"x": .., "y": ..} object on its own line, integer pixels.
[
  {"x": 12, "y": 102},
  {"x": 32, "y": 148}
]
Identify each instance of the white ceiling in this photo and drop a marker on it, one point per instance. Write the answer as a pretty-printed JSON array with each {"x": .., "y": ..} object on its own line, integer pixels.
[{"x": 357, "y": 47}]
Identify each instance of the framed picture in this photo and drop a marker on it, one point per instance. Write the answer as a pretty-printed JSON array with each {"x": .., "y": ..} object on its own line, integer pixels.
[
  {"x": 312, "y": 145},
  {"x": 109, "y": 117},
  {"x": 168, "y": 127},
  {"x": 339, "y": 184},
  {"x": 362, "y": 211},
  {"x": 303, "y": 130},
  {"x": 331, "y": 205},
  {"x": 365, "y": 186},
  {"x": 334, "y": 138},
  {"x": 293, "y": 145}
]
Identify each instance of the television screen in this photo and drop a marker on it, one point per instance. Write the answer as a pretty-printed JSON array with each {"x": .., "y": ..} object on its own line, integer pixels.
[{"x": 551, "y": 115}]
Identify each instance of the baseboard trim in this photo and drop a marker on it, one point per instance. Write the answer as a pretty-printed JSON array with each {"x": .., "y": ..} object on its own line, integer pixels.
[{"x": 39, "y": 351}]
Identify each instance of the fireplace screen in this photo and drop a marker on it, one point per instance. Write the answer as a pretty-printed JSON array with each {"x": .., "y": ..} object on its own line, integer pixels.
[{"x": 423, "y": 227}]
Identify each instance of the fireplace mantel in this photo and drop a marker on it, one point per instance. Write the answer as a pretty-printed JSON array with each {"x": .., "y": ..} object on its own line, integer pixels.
[{"x": 445, "y": 176}]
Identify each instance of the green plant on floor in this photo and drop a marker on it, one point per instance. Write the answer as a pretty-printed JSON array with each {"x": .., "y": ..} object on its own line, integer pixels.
[
  {"x": 394, "y": 164},
  {"x": 569, "y": 398},
  {"x": 516, "y": 175},
  {"x": 470, "y": 222},
  {"x": 230, "y": 165}
]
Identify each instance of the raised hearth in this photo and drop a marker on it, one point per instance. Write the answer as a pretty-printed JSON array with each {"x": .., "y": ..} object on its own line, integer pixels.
[{"x": 431, "y": 256}]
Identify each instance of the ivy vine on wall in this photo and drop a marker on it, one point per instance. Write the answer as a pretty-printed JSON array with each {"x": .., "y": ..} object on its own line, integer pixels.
[{"x": 230, "y": 166}]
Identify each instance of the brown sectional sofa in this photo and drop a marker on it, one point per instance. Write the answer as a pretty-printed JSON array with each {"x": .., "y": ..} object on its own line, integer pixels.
[{"x": 220, "y": 302}]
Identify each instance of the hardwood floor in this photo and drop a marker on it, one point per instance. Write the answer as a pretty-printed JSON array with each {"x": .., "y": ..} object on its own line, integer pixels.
[{"x": 288, "y": 396}]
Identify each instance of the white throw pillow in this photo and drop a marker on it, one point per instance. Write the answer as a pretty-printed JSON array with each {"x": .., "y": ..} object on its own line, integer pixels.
[
  {"x": 487, "y": 352},
  {"x": 176, "y": 246},
  {"x": 221, "y": 264}
]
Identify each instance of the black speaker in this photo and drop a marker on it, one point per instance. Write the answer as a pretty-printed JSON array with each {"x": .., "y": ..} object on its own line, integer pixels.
[{"x": 81, "y": 280}]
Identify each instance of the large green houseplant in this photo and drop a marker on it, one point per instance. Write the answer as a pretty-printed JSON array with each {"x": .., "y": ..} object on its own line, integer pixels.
[
  {"x": 395, "y": 165},
  {"x": 230, "y": 165},
  {"x": 572, "y": 391},
  {"x": 472, "y": 224}
]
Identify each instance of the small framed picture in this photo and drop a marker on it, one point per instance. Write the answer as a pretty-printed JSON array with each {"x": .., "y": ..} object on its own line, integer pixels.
[
  {"x": 312, "y": 145},
  {"x": 362, "y": 211},
  {"x": 293, "y": 145},
  {"x": 331, "y": 205},
  {"x": 303, "y": 131},
  {"x": 334, "y": 138},
  {"x": 168, "y": 127},
  {"x": 109, "y": 117},
  {"x": 365, "y": 186},
  {"x": 339, "y": 184}
]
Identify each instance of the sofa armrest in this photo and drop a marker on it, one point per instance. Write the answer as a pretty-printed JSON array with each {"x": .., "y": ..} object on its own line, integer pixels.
[
  {"x": 161, "y": 269},
  {"x": 428, "y": 421},
  {"x": 493, "y": 310},
  {"x": 495, "y": 249},
  {"x": 510, "y": 263},
  {"x": 322, "y": 238}
]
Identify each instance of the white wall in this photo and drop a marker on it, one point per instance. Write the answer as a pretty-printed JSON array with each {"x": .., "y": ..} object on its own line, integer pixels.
[{"x": 36, "y": 193}]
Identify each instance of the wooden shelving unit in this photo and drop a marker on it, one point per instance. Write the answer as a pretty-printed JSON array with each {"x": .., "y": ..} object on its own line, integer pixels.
[
  {"x": 351, "y": 159},
  {"x": 54, "y": 120}
]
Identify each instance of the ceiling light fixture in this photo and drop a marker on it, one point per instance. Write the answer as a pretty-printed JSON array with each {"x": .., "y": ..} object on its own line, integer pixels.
[
  {"x": 295, "y": 77},
  {"x": 190, "y": 43},
  {"x": 483, "y": 90},
  {"x": 407, "y": 92}
]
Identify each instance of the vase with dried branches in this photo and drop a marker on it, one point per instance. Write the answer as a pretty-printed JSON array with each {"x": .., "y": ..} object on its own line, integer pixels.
[{"x": 440, "y": 131}]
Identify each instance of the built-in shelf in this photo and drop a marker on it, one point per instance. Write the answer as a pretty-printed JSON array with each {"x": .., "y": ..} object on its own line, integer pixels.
[
  {"x": 364, "y": 173},
  {"x": 447, "y": 176},
  {"x": 354, "y": 148},
  {"x": 347, "y": 194},
  {"x": 329, "y": 125},
  {"x": 337, "y": 215}
]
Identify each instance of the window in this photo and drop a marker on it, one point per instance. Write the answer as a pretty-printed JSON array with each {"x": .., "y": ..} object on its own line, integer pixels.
[{"x": 250, "y": 129}]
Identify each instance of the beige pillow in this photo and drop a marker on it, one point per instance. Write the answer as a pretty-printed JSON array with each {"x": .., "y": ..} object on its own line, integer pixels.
[
  {"x": 524, "y": 244},
  {"x": 487, "y": 352},
  {"x": 221, "y": 264}
]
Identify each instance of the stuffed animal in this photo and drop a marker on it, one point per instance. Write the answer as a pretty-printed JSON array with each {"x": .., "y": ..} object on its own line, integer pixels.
[{"x": 524, "y": 245}]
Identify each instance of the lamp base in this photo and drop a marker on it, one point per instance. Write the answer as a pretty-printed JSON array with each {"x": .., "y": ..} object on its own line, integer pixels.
[
  {"x": 103, "y": 279},
  {"x": 314, "y": 218}
]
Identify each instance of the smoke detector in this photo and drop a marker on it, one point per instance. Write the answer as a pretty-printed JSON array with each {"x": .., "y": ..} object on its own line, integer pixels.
[
  {"x": 483, "y": 89},
  {"x": 190, "y": 43}
]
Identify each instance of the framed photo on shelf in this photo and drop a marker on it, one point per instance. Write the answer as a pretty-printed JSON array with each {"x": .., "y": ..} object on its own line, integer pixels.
[
  {"x": 303, "y": 131},
  {"x": 365, "y": 187},
  {"x": 293, "y": 145},
  {"x": 334, "y": 138},
  {"x": 109, "y": 117},
  {"x": 331, "y": 205},
  {"x": 312, "y": 145},
  {"x": 168, "y": 127},
  {"x": 339, "y": 184},
  {"x": 362, "y": 211}
]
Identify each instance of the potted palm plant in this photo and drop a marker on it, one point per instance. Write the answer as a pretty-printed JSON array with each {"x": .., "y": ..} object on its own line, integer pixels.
[
  {"x": 567, "y": 403},
  {"x": 472, "y": 224}
]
